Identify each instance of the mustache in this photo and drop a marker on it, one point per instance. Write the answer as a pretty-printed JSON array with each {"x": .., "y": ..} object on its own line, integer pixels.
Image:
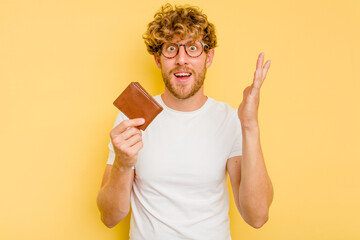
[{"x": 182, "y": 69}]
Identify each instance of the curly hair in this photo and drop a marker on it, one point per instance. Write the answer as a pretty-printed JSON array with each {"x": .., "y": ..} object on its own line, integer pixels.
[{"x": 183, "y": 21}]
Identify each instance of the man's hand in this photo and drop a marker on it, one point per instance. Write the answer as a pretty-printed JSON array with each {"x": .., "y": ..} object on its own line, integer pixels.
[
  {"x": 248, "y": 109},
  {"x": 127, "y": 142}
]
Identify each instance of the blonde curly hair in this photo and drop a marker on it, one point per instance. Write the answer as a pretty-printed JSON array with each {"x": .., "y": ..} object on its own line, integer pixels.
[{"x": 183, "y": 21}]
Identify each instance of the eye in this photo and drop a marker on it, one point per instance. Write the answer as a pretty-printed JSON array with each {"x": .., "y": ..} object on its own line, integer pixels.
[
  {"x": 193, "y": 48},
  {"x": 171, "y": 48}
]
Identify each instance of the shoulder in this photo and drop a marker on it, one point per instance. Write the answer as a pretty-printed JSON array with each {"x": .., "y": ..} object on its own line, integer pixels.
[
  {"x": 157, "y": 97},
  {"x": 222, "y": 108}
]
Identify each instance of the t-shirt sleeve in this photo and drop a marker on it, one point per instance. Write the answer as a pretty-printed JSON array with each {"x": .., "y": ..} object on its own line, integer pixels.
[
  {"x": 236, "y": 149},
  {"x": 120, "y": 117}
]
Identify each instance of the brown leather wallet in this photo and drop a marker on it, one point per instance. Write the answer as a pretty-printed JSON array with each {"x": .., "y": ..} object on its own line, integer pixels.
[{"x": 135, "y": 102}]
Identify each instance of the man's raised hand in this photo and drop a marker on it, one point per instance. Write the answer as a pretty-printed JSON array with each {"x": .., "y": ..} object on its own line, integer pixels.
[{"x": 248, "y": 109}]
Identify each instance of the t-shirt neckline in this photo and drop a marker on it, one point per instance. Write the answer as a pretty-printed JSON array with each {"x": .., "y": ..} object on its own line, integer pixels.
[{"x": 201, "y": 109}]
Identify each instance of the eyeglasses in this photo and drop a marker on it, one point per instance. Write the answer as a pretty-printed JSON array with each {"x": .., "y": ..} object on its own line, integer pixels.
[{"x": 192, "y": 48}]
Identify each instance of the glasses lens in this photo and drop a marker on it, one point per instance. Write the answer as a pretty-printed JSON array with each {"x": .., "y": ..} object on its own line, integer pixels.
[
  {"x": 194, "y": 49},
  {"x": 169, "y": 50}
]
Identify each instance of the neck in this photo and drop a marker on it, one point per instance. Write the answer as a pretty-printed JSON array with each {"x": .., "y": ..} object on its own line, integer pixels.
[{"x": 190, "y": 104}]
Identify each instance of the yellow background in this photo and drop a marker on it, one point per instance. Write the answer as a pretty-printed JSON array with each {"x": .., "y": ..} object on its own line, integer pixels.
[{"x": 62, "y": 63}]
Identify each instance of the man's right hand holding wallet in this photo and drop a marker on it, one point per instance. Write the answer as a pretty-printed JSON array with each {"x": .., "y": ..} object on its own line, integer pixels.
[{"x": 127, "y": 142}]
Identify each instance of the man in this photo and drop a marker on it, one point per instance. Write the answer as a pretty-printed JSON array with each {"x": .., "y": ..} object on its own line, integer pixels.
[{"x": 174, "y": 173}]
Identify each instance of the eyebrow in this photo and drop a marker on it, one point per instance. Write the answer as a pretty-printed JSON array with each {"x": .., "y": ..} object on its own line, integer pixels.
[{"x": 183, "y": 40}]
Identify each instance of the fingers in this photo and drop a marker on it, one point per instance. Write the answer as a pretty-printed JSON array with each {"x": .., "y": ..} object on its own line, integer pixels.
[
  {"x": 126, "y": 130},
  {"x": 265, "y": 70},
  {"x": 128, "y": 150},
  {"x": 133, "y": 150},
  {"x": 128, "y": 142},
  {"x": 257, "y": 79},
  {"x": 260, "y": 61},
  {"x": 128, "y": 133},
  {"x": 261, "y": 71},
  {"x": 127, "y": 124},
  {"x": 134, "y": 139},
  {"x": 138, "y": 144}
]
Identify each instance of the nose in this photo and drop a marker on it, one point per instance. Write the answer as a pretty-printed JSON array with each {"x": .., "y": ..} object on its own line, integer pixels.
[{"x": 182, "y": 57}]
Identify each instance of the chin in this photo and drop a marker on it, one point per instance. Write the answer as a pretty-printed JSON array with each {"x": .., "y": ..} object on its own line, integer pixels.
[
  {"x": 183, "y": 90},
  {"x": 184, "y": 93}
]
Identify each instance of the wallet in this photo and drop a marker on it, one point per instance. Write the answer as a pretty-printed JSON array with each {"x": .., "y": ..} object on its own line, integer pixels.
[{"x": 135, "y": 102}]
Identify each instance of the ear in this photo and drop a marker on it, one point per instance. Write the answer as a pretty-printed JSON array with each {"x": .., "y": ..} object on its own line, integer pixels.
[
  {"x": 157, "y": 61},
  {"x": 209, "y": 57}
]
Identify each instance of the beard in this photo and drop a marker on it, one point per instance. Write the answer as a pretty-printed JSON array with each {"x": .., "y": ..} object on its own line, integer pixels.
[{"x": 184, "y": 91}]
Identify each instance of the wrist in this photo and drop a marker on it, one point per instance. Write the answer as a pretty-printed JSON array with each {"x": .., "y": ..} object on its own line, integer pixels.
[
  {"x": 250, "y": 126},
  {"x": 119, "y": 165},
  {"x": 250, "y": 133}
]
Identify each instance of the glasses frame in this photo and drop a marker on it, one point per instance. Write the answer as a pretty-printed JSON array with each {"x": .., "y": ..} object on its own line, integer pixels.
[{"x": 183, "y": 44}]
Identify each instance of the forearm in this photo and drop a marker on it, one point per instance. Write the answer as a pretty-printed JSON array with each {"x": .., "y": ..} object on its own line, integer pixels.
[
  {"x": 114, "y": 197},
  {"x": 255, "y": 191}
]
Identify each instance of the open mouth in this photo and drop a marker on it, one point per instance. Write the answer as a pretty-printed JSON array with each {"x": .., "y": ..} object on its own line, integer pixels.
[{"x": 182, "y": 76}]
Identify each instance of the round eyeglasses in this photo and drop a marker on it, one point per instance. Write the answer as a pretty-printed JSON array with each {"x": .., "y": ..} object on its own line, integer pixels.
[{"x": 192, "y": 48}]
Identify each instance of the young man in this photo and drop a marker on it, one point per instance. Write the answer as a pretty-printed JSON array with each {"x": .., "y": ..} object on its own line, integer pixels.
[{"x": 174, "y": 173}]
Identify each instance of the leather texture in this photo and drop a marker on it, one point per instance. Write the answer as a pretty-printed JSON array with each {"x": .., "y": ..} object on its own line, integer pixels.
[{"x": 135, "y": 102}]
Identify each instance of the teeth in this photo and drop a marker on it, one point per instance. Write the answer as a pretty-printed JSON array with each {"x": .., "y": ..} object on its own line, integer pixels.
[{"x": 182, "y": 74}]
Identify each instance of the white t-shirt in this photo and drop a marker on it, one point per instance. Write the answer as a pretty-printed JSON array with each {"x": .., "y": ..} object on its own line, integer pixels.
[{"x": 180, "y": 189}]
